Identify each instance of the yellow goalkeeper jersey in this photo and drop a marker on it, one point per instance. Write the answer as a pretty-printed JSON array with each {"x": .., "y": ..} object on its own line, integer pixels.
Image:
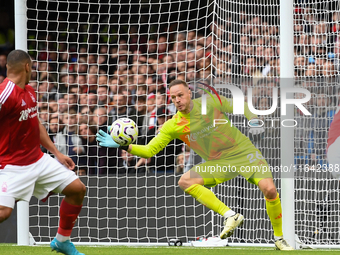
[{"x": 198, "y": 131}]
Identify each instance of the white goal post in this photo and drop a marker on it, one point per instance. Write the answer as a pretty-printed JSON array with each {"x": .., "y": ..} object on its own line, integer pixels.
[
  {"x": 287, "y": 134},
  {"x": 85, "y": 53},
  {"x": 21, "y": 43}
]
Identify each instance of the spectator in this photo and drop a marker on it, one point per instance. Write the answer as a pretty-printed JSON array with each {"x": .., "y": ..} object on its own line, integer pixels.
[
  {"x": 92, "y": 101},
  {"x": 80, "y": 171},
  {"x": 80, "y": 67},
  {"x": 89, "y": 158},
  {"x": 162, "y": 45},
  {"x": 3, "y": 62},
  {"x": 72, "y": 101},
  {"x": 103, "y": 95},
  {"x": 329, "y": 70},
  {"x": 121, "y": 109},
  {"x": 129, "y": 163},
  {"x": 139, "y": 79},
  {"x": 251, "y": 68},
  {"x": 108, "y": 161},
  {"x": 320, "y": 124},
  {"x": 244, "y": 43},
  {"x": 62, "y": 104},
  {"x": 100, "y": 117},
  {"x": 43, "y": 116},
  {"x": 53, "y": 128},
  {"x": 82, "y": 100},
  {"x": 191, "y": 74},
  {"x": 269, "y": 56},
  {"x": 46, "y": 90},
  {"x": 81, "y": 79},
  {"x": 169, "y": 61},
  {"x": 164, "y": 161},
  {"x": 140, "y": 107},
  {"x": 335, "y": 55},
  {"x": 152, "y": 48},
  {"x": 141, "y": 90},
  {"x": 161, "y": 98},
  {"x": 85, "y": 115},
  {"x": 113, "y": 86},
  {"x": 34, "y": 85},
  {"x": 130, "y": 98},
  {"x": 67, "y": 141},
  {"x": 102, "y": 80},
  {"x": 303, "y": 45},
  {"x": 151, "y": 83},
  {"x": 92, "y": 81},
  {"x": 150, "y": 118}
]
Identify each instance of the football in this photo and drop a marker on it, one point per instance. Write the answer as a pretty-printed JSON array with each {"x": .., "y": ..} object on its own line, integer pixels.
[{"x": 124, "y": 131}]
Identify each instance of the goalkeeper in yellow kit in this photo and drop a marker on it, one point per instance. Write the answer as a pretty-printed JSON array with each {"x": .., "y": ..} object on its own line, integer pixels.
[{"x": 226, "y": 151}]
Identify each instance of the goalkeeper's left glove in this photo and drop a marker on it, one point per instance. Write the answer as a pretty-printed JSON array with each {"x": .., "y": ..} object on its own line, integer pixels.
[
  {"x": 256, "y": 131},
  {"x": 106, "y": 140}
]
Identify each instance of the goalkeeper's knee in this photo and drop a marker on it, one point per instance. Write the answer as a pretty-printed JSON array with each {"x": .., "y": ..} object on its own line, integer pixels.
[
  {"x": 190, "y": 178},
  {"x": 268, "y": 188}
]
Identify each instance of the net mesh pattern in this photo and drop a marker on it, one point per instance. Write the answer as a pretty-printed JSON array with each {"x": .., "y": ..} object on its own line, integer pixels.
[{"x": 95, "y": 62}]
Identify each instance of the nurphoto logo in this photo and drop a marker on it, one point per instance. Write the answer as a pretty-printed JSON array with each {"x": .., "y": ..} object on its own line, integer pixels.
[{"x": 238, "y": 102}]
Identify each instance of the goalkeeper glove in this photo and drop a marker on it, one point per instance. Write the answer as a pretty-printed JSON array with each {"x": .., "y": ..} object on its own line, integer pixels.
[
  {"x": 256, "y": 131},
  {"x": 106, "y": 140}
]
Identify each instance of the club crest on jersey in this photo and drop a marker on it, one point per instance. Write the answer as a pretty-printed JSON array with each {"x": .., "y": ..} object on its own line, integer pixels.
[
  {"x": 4, "y": 187},
  {"x": 33, "y": 98}
]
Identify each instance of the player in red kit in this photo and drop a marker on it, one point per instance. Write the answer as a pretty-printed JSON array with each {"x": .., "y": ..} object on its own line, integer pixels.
[
  {"x": 333, "y": 145},
  {"x": 24, "y": 169}
]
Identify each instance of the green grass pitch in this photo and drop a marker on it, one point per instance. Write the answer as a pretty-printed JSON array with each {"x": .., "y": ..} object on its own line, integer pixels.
[{"x": 10, "y": 249}]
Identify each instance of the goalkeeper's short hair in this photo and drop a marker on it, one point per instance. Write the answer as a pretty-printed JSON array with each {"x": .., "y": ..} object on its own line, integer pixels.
[{"x": 178, "y": 82}]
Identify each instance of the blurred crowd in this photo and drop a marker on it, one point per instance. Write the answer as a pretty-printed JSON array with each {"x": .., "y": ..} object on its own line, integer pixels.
[{"x": 82, "y": 88}]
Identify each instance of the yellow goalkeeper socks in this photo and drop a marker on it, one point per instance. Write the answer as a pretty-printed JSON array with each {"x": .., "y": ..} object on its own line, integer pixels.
[
  {"x": 207, "y": 198},
  {"x": 274, "y": 212}
]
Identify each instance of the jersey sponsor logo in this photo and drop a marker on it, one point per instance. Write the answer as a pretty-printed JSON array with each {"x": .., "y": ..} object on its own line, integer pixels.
[
  {"x": 23, "y": 103},
  {"x": 24, "y": 114},
  {"x": 32, "y": 97},
  {"x": 192, "y": 137}
]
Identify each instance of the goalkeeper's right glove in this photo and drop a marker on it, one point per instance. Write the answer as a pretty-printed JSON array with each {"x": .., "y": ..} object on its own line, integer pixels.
[{"x": 106, "y": 140}]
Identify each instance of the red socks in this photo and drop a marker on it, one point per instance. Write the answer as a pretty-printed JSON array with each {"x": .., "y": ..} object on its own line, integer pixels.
[{"x": 68, "y": 216}]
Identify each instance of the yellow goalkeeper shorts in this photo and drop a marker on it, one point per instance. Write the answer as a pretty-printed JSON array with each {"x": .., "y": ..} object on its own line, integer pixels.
[{"x": 249, "y": 163}]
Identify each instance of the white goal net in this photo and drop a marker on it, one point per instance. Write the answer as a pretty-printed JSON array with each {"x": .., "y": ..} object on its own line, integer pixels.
[{"x": 96, "y": 61}]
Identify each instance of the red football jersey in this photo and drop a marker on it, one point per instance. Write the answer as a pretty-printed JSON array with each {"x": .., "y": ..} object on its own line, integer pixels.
[
  {"x": 334, "y": 130},
  {"x": 19, "y": 125}
]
